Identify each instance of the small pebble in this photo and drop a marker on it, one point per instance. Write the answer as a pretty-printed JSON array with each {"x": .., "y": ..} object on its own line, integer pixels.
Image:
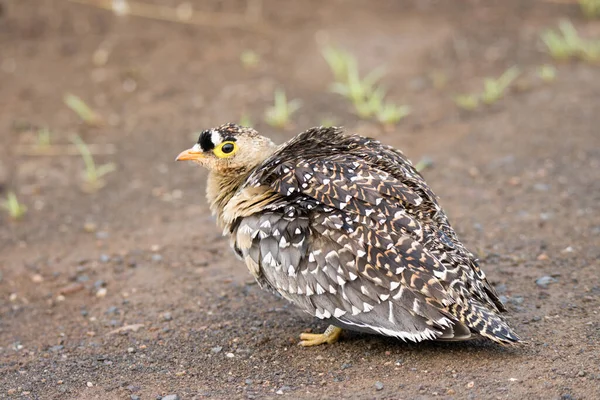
[
  {"x": 167, "y": 316},
  {"x": 134, "y": 397},
  {"x": 104, "y": 258},
  {"x": 89, "y": 384},
  {"x": 101, "y": 292},
  {"x": 249, "y": 381},
  {"x": 90, "y": 227},
  {"x": 156, "y": 258},
  {"x": 378, "y": 385},
  {"x": 171, "y": 397},
  {"x": 544, "y": 281},
  {"x": 346, "y": 366},
  {"x": 543, "y": 257},
  {"x": 216, "y": 349},
  {"x": 72, "y": 288},
  {"x": 470, "y": 384},
  {"x": 131, "y": 350},
  {"x": 581, "y": 374},
  {"x": 229, "y": 355},
  {"x": 112, "y": 310},
  {"x": 37, "y": 278}
]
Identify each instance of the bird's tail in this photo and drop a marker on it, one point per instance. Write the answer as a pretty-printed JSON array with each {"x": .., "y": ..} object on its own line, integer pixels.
[{"x": 484, "y": 321}]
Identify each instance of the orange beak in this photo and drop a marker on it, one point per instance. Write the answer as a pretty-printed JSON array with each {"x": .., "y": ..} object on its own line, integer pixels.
[{"x": 189, "y": 154}]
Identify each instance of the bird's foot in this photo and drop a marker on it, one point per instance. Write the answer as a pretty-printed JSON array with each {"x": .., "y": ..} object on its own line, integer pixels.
[{"x": 330, "y": 336}]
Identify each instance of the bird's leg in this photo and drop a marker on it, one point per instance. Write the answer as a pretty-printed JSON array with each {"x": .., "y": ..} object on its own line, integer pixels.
[{"x": 330, "y": 336}]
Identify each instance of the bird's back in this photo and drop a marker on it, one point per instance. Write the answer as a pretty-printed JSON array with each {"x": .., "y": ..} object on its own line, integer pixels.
[{"x": 346, "y": 228}]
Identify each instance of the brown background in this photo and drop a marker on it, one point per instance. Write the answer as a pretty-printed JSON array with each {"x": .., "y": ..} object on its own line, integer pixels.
[{"x": 519, "y": 180}]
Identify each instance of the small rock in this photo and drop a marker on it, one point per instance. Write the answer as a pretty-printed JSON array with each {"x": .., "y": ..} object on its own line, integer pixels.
[
  {"x": 568, "y": 249},
  {"x": 171, "y": 397},
  {"x": 37, "y": 278},
  {"x": 101, "y": 292},
  {"x": 156, "y": 258},
  {"x": 11, "y": 391},
  {"x": 346, "y": 366},
  {"x": 104, "y": 258},
  {"x": 99, "y": 283},
  {"x": 229, "y": 355},
  {"x": 131, "y": 350},
  {"x": 581, "y": 374},
  {"x": 167, "y": 316},
  {"x": 378, "y": 386},
  {"x": 544, "y": 281},
  {"x": 543, "y": 257},
  {"x": 134, "y": 397},
  {"x": 216, "y": 349},
  {"x": 90, "y": 227},
  {"x": 72, "y": 288},
  {"x": 249, "y": 381},
  {"x": 470, "y": 385},
  {"x": 112, "y": 310},
  {"x": 90, "y": 384}
]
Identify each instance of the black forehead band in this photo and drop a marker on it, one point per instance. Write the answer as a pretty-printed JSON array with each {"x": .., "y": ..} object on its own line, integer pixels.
[{"x": 205, "y": 139}]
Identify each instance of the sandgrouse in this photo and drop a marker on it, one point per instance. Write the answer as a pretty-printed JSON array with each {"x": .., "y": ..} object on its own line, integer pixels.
[{"x": 346, "y": 228}]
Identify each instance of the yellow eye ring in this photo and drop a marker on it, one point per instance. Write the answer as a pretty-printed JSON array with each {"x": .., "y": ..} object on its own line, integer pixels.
[{"x": 225, "y": 149}]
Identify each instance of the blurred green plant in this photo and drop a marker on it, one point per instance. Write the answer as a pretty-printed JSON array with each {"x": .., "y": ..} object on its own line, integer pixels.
[
  {"x": 547, "y": 73},
  {"x": 423, "y": 164},
  {"x": 93, "y": 174},
  {"x": 390, "y": 114},
  {"x": 565, "y": 44},
  {"x": 493, "y": 89},
  {"x": 280, "y": 113},
  {"x": 366, "y": 96},
  {"x": 356, "y": 89},
  {"x": 43, "y": 138},
  {"x": 249, "y": 58},
  {"x": 467, "y": 102},
  {"x": 328, "y": 122},
  {"x": 245, "y": 120},
  {"x": 12, "y": 206},
  {"x": 367, "y": 107},
  {"x": 338, "y": 61},
  {"x": 84, "y": 112},
  {"x": 590, "y": 8}
]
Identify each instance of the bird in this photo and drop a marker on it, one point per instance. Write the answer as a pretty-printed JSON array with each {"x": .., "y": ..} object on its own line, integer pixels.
[{"x": 345, "y": 228}]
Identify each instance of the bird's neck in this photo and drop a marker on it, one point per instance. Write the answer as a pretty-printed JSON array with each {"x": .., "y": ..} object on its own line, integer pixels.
[{"x": 220, "y": 188}]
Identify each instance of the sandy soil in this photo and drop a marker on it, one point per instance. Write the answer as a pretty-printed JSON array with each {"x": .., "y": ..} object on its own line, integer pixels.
[{"x": 131, "y": 291}]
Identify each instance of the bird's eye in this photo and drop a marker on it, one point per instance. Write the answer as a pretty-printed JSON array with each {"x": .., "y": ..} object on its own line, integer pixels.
[{"x": 225, "y": 149}]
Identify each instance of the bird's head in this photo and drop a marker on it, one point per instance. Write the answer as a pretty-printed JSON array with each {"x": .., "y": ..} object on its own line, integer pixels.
[{"x": 229, "y": 148}]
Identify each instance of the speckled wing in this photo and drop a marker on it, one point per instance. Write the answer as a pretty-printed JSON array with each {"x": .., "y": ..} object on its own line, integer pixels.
[{"x": 354, "y": 234}]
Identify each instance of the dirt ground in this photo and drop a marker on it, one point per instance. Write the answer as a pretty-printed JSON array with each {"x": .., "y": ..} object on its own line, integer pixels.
[{"x": 131, "y": 292}]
